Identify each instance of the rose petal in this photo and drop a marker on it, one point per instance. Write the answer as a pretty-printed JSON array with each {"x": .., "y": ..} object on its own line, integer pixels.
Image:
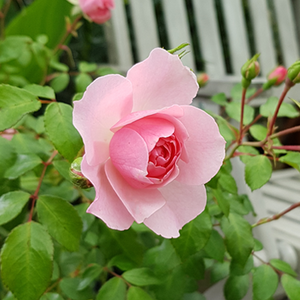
[
  {"x": 107, "y": 205},
  {"x": 141, "y": 203},
  {"x": 105, "y": 102},
  {"x": 161, "y": 81},
  {"x": 183, "y": 204},
  {"x": 205, "y": 147}
]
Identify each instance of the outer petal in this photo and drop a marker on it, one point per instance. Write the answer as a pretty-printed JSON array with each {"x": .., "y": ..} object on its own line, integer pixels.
[
  {"x": 184, "y": 203},
  {"x": 161, "y": 80},
  {"x": 107, "y": 205},
  {"x": 141, "y": 203},
  {"x": 105, "y": 102},
  {"x": 205, "y": 147}
]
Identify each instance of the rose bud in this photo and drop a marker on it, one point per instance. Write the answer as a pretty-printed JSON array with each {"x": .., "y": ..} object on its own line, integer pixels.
[
  {"x": 99, "y": 11},
  {"x": 275, "y": 77},
  {"x": 294, "y": 72},
  {"x": 250, "y": 70},
  {"x": 148, "y": 153},
  {"x": 76, "y": 175},
  {"x": 202, "y": 79}
]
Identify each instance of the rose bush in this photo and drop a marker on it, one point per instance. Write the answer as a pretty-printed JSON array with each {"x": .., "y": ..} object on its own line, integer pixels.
[
  {"x": 97, "y": 10},
  {"x": 148, "y": 152}
]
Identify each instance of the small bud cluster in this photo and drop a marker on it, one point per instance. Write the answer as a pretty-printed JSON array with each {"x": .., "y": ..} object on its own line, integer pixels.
[
  {"x": 293, "y": 73},
  {"x": 202, "y": 79},
  {"x": 250, "y": 70}
]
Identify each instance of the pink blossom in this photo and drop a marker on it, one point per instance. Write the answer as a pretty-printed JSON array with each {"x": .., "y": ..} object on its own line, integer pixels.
[
  {"x": 148, "y": 153},
  {"x": 279, "y": 73},
  {"x": 97, "y": 10}
]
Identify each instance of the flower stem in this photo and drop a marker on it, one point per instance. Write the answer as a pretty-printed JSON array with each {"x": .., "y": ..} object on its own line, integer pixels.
[
  {"x": 258, "y": 92},
  {"x": 242, "y": 116},
  {"x": 284, "y": 132}
]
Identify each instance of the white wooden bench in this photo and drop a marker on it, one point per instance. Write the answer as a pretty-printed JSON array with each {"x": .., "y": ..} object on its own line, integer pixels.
[{"x": 218, "y": 26}]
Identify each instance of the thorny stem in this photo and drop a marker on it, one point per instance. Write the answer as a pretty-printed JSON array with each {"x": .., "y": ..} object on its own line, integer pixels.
[
  {"x": 2, "y": 17},
  {"x": 258, "y": 92},
  {"x": 242, "y": 116},
  {"x": 116, "y": 275},
  {"x": 276, "y": 216},
  {"x": 35, "y": 195},
  {"x": 280, "y": 273}
]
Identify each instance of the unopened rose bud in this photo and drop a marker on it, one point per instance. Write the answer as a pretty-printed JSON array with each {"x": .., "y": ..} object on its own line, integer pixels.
[
  {"x": 251, "y": 68},
  {"x": 76, "y": 175},
  {"x": 99, "y": 11},
  {"x": 293, "y": 72},
  {"x": 202, "y": 79},
  {"x": 275, "y": 77}
]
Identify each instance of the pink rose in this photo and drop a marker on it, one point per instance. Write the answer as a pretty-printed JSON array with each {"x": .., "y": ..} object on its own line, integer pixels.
[
  {"x": 148, "y": 153},
  {"x": 97, "y": 10}
]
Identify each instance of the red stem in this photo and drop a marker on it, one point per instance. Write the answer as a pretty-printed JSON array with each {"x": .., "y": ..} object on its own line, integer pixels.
[
  {"x": 291, "y": 147},
  {"x": 284, "y": 132},
  {"x": 242, "y": 115},
  {"x": 258, "y": 92}
]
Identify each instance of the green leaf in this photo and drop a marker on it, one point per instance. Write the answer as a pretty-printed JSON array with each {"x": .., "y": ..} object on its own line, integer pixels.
[
  {"x": 291, "y": 286},
  {"x": 89, "y": 275},
  {"x": 60, "y": 82},
  {"x": 36, "y": 124},
  {"x": 226, "y": 181},
  {"x": 194, "y": 266},
  {"x": 219, "y": 271},
  {"x": 136, "y": 293},
  {"x": 219, "y": 99},
  {"x": 61, "y": 220},
  {"x": 236, "y": 92},
  {"x": 247, "y": 149},
  {"x": 286, "y": 109},
  {"x": 7, "y": 156},
  {"x": 236, "y": 287},
  {"x": 265, "y": 282},
  {"x": 141, "y": 277},
  {"x": 86, "y": 67},
  {"x": 113, "y": 289},
  {"x": 233, "y": 109},
  {"x": 282, "y": 266},
  {"x": 69, "y": 287},
  {"x": 258, "y": 171},
  {"x": 39, "y": 19},
  {"x": 82, "y": 81},
  {"x": 40, "y": 91},
  {"x": 14, "y": 104},
  {"x": 63, "y": 168},
  {"x": 292, "y": 159},
  {"x": 193, "y": 296},
  {"x": 259, "y": 132},
  {"x": 62, "y": 133},
  {"x": 238, "y": 237},
  {"x": 193, "y": 236},
  {"x": 11, "y": 204},
  {"x": 226, "y": 129},
  {"x": 23, "y": 164},
  {"x": 27, "y": 261},
  {"x": 52, "y": 296},
  {"x": 215, "y": 247},
  {"x": 237, "y": 270},
  {"x": 222, "y": 201}
]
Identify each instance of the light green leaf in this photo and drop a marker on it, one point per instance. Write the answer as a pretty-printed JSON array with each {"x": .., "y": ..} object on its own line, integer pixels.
[
  {"x": 219, "y": 99},
  {"x": 233, "y": 109},
  {"x": 27, "y": 252},
  {"x": 86, "y": 67},
  {"x": 292, "y": 159},
  {"x": 247, "y": 149},
  {"x": 60, "y": 82},
  {"x": 258, "y": 171},
  {"x": 282, "y": 266},
  {"x": 23, "y": 164},
  {"x": 7, "y": 156},
  {"x": 193, "y": 236},
  {"x": 40, "y": 91},
  {"x": 136, "y": 293},
  {"x": 11, "y": 204},
  {"x": 52, "y": 296},
  {"x": 265, "y": 282},
  {"x": 14, "y": 104},
  {"x": 236, "y": 287},
  {"x": 291, "y": 286},
  {"x": 236, "y": 92},
  {"x": 238, "y": 237},
  {"x": 69, "y": 287},
  {"x": 141, "y": 277},
  {"x": 62, "y": 133},
  {"x": 259, "y": 132},
  {"x": 82, "y": 81},
  {"x": 193, "y": 296},
  {"x": 63, "y": 167},
  {"x": 113, "y": 289},
  {"x": 61, "y": 220}
]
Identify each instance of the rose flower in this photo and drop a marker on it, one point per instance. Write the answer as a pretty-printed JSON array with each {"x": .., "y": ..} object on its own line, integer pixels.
[{"x": 148, "y": 153}]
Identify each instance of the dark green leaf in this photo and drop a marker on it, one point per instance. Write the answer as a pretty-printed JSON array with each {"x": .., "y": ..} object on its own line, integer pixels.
[
  {"x": 89, "y": 275},
  {"x": 233, "y": 109},
  {"x": 60, "y": 82},
  {"x": 193, "y": 236},
  {"x": 222, "y": 201},
  {"x": 219, "y": 271},
  {"x": 227, "y": 182},
  {"x": 113, "y": 289},
  {"x": 87, "y": 219},
  {"x": 122, "y": 262},
  {"x": 193, "y": 296},
  {"x": 238, "y": 237},
  {"x": 27, "y": 261},
  {"x": 69, "y": 287},
  {"x": 265, "y": 282},
  {"x": 291, "y": 286},
  {"x": 194, "y": 266},
  {"x": 236, "y": 287},
  {"x": 63, "y": 167},
  {"x": 14, "y": 104},
  {"x": 141, "y": 277},
  {"x": 23, "y": 164},
  {"x": 7, "y": 156},
  {"x": 282, "y": 266},
  {"x": 62, "y": 133},
  {"x": 215, "y": 247},
  {"x": 237, "y": 270},
  {"x": 11, "y": 204},
  {"x": 61, "y": 220},
  {"x": 136, "y": 293},
  {"x": 40, "y": 91},
  {"x": 52, "y": 296},
  {"x": 258, "y": 171}
]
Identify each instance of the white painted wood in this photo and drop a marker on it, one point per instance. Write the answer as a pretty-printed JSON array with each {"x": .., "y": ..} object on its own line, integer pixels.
[
  {"x": 237, "y": 34},
  {"x": 145, "y": 27},
  {"x": 263, "y": 35},
  {"x": 121, "y": 37},
  {"x": 287, "y": 31},
  {"x": 277, "y": 192},
  {"x": 208, "y": 30},
  {"x": 178, "y": 28}
]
